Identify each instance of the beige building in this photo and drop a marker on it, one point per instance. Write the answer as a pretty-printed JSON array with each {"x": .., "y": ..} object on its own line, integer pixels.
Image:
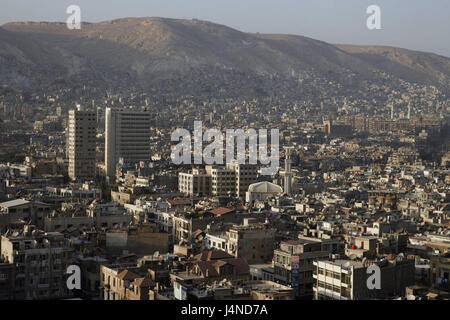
[
  {"x": 82, "y": 143},
  {"x": 125, "y": 282},
  {"x": 253, "y": 242},
  {"x": 142, "y": 240},
  {"x": 195, "y": 183},
  {"x": 293, "y": 262}
]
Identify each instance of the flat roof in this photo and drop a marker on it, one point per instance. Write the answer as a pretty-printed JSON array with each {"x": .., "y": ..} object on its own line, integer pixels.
[
  {"x": 14, "y": 203},
  {"x": 295, "y": 242},
  {"x": 345, "y": 263}
]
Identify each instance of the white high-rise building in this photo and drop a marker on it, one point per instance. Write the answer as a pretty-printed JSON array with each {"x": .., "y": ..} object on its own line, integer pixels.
[
  {"x": 81, "y": 143},
  {"x": 127, "y": 136}
]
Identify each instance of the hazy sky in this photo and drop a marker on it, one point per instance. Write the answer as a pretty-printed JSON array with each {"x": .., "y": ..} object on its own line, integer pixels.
[{"x": 413, "y": 24}]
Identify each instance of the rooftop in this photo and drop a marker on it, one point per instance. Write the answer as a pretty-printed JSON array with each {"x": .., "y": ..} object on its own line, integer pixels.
[{"x": 14, "y": 203}]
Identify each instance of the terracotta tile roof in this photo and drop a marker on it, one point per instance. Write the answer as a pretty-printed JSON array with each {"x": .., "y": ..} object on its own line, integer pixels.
[
  {"x": 207, "y": 269},
  {"x": 144, "y": 283},
  {"x": 240, "y": 264},
  {"x": 127, "y": 275},
  {"x": 212, "y": 255},
  {"x": 221, "y": 211}
]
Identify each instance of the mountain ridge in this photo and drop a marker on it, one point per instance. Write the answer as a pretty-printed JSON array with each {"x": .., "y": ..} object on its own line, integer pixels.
[{"x": 149, "y": 51}]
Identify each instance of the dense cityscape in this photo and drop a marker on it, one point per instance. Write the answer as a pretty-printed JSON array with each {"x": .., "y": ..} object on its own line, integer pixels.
[{"x": 87, "y": 183}]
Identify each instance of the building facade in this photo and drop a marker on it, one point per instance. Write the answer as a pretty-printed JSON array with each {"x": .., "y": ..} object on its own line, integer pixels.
[
  {"x": 127, "y": 137},
  {"x": 195, "y": 183},
  {"x": 40, "y": 261},
  {"x": 81, "y": 143}
]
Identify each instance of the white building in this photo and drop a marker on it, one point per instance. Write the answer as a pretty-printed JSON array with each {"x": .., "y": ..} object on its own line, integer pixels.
[
  {"x": 195, "y": 183},
  {"x": 127, "y": 136}
]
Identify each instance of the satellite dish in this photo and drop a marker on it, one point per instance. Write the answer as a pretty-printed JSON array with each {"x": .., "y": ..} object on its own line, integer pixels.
[
  {"x": 156, "y": 254},
  {"x": 353, "y": 256}
]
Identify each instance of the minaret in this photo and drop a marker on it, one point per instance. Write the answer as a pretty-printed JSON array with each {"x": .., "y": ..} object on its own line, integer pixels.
[
  {"x": 287, "y": 171},
  {"x": 392, "y": 112},
  {"x": 409, "y": 111}
]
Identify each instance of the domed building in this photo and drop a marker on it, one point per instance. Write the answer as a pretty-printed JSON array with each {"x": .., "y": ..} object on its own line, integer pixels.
[{"x": 261, "y": 191}]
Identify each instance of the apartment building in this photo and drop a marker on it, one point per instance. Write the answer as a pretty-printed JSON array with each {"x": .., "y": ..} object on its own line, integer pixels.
[
  {"x": 195, "y": 183},
  {"x": 40, "y": 261},
  {"x": 347, "y": 279},
  {"x": 21, "y": 209},
  {"x": 84, "y": 192},
  {"x": 293, "y": 262},
  {"x": 253, "y": 242},
  {"x": 115, "y": 280},
  {"x": 245, "y": 175},
  {"x": 220, "y": 181},
  {"x": 223, "y": 181},
  {"x": 82, "y": 143}
]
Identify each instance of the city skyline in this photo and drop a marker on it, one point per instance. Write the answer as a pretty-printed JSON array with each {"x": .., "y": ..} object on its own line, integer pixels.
[{"x": 229, "y": 172}]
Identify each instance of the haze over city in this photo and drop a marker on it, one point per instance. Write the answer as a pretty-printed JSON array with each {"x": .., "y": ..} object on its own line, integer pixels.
[{"x": 228, "y": 158}]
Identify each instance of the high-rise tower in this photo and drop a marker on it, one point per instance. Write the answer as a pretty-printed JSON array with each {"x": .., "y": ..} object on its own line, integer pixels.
[
  {"x": 81, "y": 143},
  {"x": 127, "y": 136}
]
